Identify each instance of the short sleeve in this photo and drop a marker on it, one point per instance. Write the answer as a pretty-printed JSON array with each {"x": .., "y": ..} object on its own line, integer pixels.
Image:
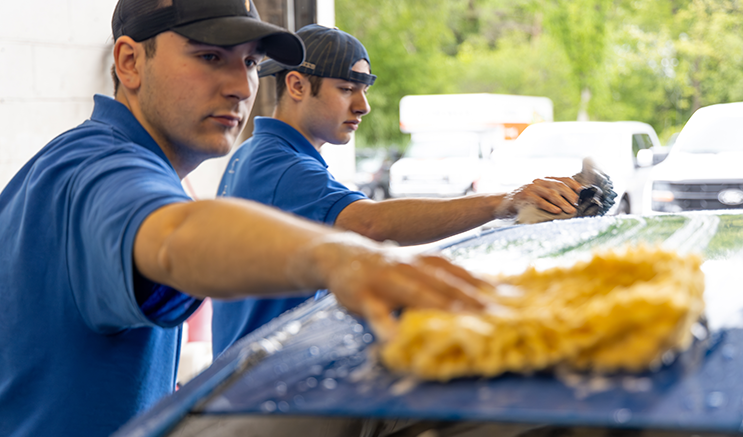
[
  {"x": 109, "y": 198},
  {"x": 307, "y": 189}
]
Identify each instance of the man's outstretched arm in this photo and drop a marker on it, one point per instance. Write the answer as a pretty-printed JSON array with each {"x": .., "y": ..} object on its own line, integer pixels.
[
  {"x": 419, "y": 220},
  {"x": 229, "y": 248}
]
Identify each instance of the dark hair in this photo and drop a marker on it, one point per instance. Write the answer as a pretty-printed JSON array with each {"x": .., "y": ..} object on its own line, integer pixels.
[
  {"x": 150, "y": 47},
  {"x": 315, "y": 83}
]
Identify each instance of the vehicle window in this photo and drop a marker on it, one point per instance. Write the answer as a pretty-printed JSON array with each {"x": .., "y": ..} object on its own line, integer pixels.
[
  {"x": 711, "y": 136},
  {"x": 639, "y": 142}
]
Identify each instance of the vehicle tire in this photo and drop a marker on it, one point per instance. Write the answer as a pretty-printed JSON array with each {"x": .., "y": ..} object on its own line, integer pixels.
[{"x": 623, "y": 207}]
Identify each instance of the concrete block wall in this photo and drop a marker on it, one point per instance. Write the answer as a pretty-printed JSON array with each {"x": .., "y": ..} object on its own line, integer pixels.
[{"x": 54, "y": 55}]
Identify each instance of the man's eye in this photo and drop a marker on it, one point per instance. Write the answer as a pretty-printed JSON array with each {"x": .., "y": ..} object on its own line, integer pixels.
[
  {"x": 250, "y": 63},
  {"x": 209, "y": 57}
]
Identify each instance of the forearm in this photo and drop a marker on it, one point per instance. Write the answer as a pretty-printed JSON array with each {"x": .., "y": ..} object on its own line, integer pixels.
[
  {"x": 418, "y": 220},
  {"x": 226, "y": 248},
  {"x": 229, "y": 248}
]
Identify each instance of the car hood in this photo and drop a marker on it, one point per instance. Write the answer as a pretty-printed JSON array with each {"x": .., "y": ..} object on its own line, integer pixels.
[{"x": 681, "y": 166}]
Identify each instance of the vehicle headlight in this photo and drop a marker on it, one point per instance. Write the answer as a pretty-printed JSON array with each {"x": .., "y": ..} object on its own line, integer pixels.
[{"x": 662, "y": 192}]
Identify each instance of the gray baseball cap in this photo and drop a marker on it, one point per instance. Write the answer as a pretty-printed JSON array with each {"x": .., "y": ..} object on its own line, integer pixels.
[
  {"x": 215, "y": 22},
  {"x": 330, "y": 52}
]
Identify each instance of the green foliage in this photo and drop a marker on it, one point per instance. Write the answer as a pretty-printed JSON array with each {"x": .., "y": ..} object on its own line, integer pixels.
[
  {"x": 650, "y": 60},
  {"x": 405, "y": 41},
  {"x": 580, "y": 27}
]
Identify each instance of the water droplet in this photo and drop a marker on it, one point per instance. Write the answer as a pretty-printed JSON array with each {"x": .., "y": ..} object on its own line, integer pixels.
[
  {"x": 314, "y": 351},
  {"x": 311, "y": 382},
  {"x": 330, "y": 373},
  {"x": 483, "y": 393},
  {"x": 329, "y": 383},
  {"x": 340, "y": 315},
  {"x": 268, "y": 406},
  {"x": 668, "y": 357},
  {"x": 349, "y": 340},
  {"x": 316, "y": 369},
  {"x": 283, "y": 406},
  {"x": 358, "y": 328},
  {"x": 699, "y": 331},
  {"x": 716, "y": 399},
  {"x": 634, "y": 385},
  {"x": 281, "y": 388},
  {"x": 293, "y": 327},
  {"x": 299, "y": 400},
  {"x": 367, "y": 338},
  {"x": 341, "y": 372},
  {"x": 622, "y": 415},
  {"x": 729, "y": 352},
  {"x": 281, "y": 368}
]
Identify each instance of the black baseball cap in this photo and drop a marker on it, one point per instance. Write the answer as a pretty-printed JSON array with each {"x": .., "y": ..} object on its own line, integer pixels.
[
  {"x": 215, "y": 22},
  {"x": 331, "y": 52}
]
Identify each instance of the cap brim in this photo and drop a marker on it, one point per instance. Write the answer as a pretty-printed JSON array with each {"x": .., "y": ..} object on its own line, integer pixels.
[
  {"x": 279, "y": 43},
  {"x": 269, "y": 67}
]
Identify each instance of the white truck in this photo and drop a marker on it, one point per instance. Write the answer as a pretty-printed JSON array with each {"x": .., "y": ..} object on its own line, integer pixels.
[{"x": 453, "y": 137}]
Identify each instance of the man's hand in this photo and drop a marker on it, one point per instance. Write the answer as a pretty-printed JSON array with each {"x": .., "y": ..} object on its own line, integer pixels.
[
  {"x": 374, "y": 280},
  {"x": 552, "y": 194}
]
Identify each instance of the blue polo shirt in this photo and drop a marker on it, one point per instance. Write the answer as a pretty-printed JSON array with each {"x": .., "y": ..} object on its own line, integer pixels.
[
  {"x": 86, "y": 343},
  {"x": 277, "y": 166}
]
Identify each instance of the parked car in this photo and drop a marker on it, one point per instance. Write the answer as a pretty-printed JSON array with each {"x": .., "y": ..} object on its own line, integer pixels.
[
  {"x": 704, "y": 170},
  {"x": 621, "y": 149},
  {"x": 441, "y": 164}
]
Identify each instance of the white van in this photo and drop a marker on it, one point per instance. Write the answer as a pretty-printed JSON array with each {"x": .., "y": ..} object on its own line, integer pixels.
[{"x": 621, "y": 149}]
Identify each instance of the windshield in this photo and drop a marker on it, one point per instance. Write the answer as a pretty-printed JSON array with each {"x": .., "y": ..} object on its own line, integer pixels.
[
  {"x": 546, "y": 143},
  {"x": 712, "y": 136},
  {"x": 441, "y": 149}
]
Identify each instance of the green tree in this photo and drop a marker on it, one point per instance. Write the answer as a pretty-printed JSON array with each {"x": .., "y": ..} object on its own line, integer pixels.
[
  {"x": 671, "y": 58},
  {"x": 649, "y": 60},
  {"x": 580, "y": 26},
  {"x": 405, "y": 41},
  {"x": 512, "y": 54}
]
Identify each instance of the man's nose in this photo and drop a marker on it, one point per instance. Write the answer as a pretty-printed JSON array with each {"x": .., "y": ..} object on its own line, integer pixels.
[
  {"x": 361, "y": 104},
  {"x": 238, "y": 83}
]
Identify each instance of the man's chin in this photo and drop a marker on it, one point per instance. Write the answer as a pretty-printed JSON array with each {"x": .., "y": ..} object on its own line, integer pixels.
[
  {"x": 221, "y": 148},
  {"x": 341, "y": 140}
]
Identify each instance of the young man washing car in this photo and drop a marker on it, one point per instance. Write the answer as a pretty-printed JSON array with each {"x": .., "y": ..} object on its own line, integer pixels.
[
  {"x": 323, "y": 101},
  {"x": 104, "y": 255}
]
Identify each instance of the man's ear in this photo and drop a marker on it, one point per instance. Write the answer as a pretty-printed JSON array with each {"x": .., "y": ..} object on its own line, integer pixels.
[
  {"x": 127, "y": 53},
  {"x": 297, "y": 85}
]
